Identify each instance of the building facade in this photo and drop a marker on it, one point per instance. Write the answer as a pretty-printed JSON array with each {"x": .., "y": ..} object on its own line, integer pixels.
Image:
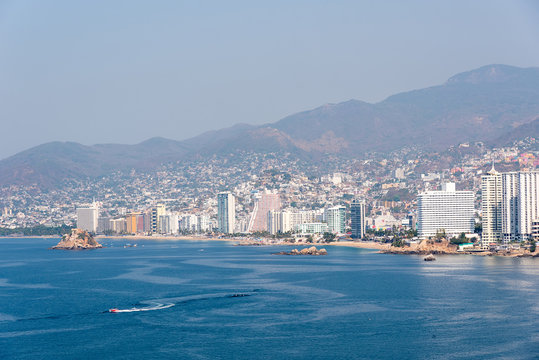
[
  {"x": 87, "y": 218},
  {"x": 520, "y": 205},
  {"x": 226, "y": 212},
  {"x": 357, "y": 219},
  {"x": 491, "y": 208},
  {"x": 446, "y": 210},
  {"x": 264, "y": 203},
  {"x": 336, "y": 217}
]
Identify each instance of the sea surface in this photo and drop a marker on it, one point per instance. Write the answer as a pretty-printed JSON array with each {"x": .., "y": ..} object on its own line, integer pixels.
[{"x": 213, "y": 300}]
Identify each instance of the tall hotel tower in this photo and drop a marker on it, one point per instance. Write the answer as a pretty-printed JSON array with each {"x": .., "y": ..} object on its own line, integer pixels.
[
  {"x": 87, "y": 218},
  {"x": 226, "y": 212},
  {"x": 510, "y": 205},
  {"x": 519, "y": 204},
  {"x": 357, "y": 217},
  {"x": 448, "y": 210},
  {"x": 491, "y": 207}
]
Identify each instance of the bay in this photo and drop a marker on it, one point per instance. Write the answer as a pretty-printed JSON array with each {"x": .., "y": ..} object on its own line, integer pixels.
[{"x": 213, "y": 300}]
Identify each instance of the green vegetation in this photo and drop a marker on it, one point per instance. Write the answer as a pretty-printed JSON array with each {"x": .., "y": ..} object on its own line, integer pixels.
[
  {"x": 532, "y": 245},
  {"x": 398, "y": 243},
  {"x": 329, "y": 237},
  {"x": 39, "y": 230},
  {"x": 459, "y": 240},
  {"x": 440, "y": 234}
]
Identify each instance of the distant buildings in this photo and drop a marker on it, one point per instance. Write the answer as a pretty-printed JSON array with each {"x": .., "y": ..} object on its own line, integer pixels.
[
  {"x": 357, "y": 219},
  {"x": 447, "y": 210},
  {"x": 226, "y": 212},
  {"x": 87, "y": 218},
  {"x": 510, "y": 205}
]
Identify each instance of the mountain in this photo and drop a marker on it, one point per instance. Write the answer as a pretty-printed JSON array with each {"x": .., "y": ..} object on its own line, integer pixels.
[{"x": 493, "y": 104}]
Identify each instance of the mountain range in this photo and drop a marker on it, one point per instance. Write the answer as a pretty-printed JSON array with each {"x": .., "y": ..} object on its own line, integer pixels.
[{"x": 495, "y": 104}]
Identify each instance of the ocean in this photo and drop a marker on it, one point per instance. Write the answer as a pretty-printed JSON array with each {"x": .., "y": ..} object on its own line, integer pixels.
[{"x": 214, "y": 300}]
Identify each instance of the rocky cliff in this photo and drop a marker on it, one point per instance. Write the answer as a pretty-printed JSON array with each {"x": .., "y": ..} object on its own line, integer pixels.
[{"x": 77, "y": 240}]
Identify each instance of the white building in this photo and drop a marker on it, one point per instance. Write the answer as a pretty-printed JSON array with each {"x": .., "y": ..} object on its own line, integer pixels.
[
  {"x": 226, "y": 212},
  {"x": 520, "y": 205},
  {"x": 87, "y": 218},
  {"x": 336, "y": 217},
  {"x": 448, "y": 210},
  {"x": 491, "y": 207},
  {"x": 189, "y": 223},
  {"x": 312, "y": 228},
  {"x": 203, "y": 223}
]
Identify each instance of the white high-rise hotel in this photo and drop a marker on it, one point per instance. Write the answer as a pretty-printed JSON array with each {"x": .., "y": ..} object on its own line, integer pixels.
[
  {"x": 87, "y": 218},
  {"x": 448, "y": 210},
  {"x": 491, "y": 207},
  {"x": 510, "y": 205},
  {"x": 226, "y": 212}
]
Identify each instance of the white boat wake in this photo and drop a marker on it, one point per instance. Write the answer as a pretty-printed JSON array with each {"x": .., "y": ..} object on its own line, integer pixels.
[
  {"x": 171, "y": 301},
  {"x": 135, "y": 309}
]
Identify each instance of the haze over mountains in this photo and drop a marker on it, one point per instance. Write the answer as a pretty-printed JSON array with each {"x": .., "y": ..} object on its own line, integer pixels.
[{"x": 495, "y": 104}]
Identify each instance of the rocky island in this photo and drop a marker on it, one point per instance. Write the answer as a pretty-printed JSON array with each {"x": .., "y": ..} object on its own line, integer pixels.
[
  {"x": 307, "y": 251},
  {"x": 77, "y": 240}
]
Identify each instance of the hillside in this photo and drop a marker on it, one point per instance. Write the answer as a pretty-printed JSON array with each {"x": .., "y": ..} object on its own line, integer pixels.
[{"x": 494, "y": 104}]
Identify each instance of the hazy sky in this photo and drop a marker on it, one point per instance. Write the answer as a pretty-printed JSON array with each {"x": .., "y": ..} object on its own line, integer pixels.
[{"x": 125, "y": 71}]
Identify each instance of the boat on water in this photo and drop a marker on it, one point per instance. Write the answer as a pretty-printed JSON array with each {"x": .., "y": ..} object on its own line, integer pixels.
[{"x": 113, "y": 310}]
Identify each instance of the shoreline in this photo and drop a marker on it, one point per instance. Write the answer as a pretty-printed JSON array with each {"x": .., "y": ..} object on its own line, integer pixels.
[{"x": 383, "y": 248}]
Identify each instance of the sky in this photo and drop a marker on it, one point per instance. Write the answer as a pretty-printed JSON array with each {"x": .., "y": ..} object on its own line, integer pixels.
[{"x": 125, "y": 71}]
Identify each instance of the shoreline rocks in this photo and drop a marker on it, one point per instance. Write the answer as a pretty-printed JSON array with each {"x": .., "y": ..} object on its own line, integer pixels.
[
  {"x": 307, "y": 251},
  {"x": 77, "y": 240},
  {"x": 429, "y": 257}
]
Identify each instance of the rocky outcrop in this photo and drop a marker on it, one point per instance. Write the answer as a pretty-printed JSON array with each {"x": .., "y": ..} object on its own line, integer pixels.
[
  {"x": 306, "y": 251},
  {"x": 77, "y": 240},
  {"x": 426, "y": 247},
  {"x": 429, "y": 257}
]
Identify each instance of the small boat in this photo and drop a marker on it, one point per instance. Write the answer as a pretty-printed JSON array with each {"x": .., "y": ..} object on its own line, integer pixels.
[{"x": 113, "y": 310}]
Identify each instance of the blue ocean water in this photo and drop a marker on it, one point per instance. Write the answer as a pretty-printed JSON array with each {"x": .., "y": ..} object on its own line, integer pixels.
[{"x": 213, "y": 300}]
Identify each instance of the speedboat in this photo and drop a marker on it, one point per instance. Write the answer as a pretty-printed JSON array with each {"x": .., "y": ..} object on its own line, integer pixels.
[{"x": 113, "y": 310}]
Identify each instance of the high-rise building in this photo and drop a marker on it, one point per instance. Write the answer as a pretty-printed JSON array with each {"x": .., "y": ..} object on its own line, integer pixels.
[
  {"x": 357, "y": 217},
  {"x": 203, "y": 223},
  {"x": 155, "y": 214},
  {"x": 132, "y": 223},
  {"x": 264, "y": 203},
  {"x": 447, "y": 210},
  {"x": 520, "y": 204},
  {"x": 103, "y": 224},
  {"x": 491, "y": 207},
  {"x": 226, "y": 212},
  {"x": 87, "y": 218},
  {"x": 336, "y": 217}
]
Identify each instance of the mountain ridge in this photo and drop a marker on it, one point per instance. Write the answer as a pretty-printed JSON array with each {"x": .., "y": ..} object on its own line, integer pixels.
[{"x": 484, "y": 104}]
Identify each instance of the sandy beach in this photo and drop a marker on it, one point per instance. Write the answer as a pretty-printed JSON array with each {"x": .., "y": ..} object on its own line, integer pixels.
[
  {"x": 164, "y": 238},
  {"x": 360, "y": 244}
]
